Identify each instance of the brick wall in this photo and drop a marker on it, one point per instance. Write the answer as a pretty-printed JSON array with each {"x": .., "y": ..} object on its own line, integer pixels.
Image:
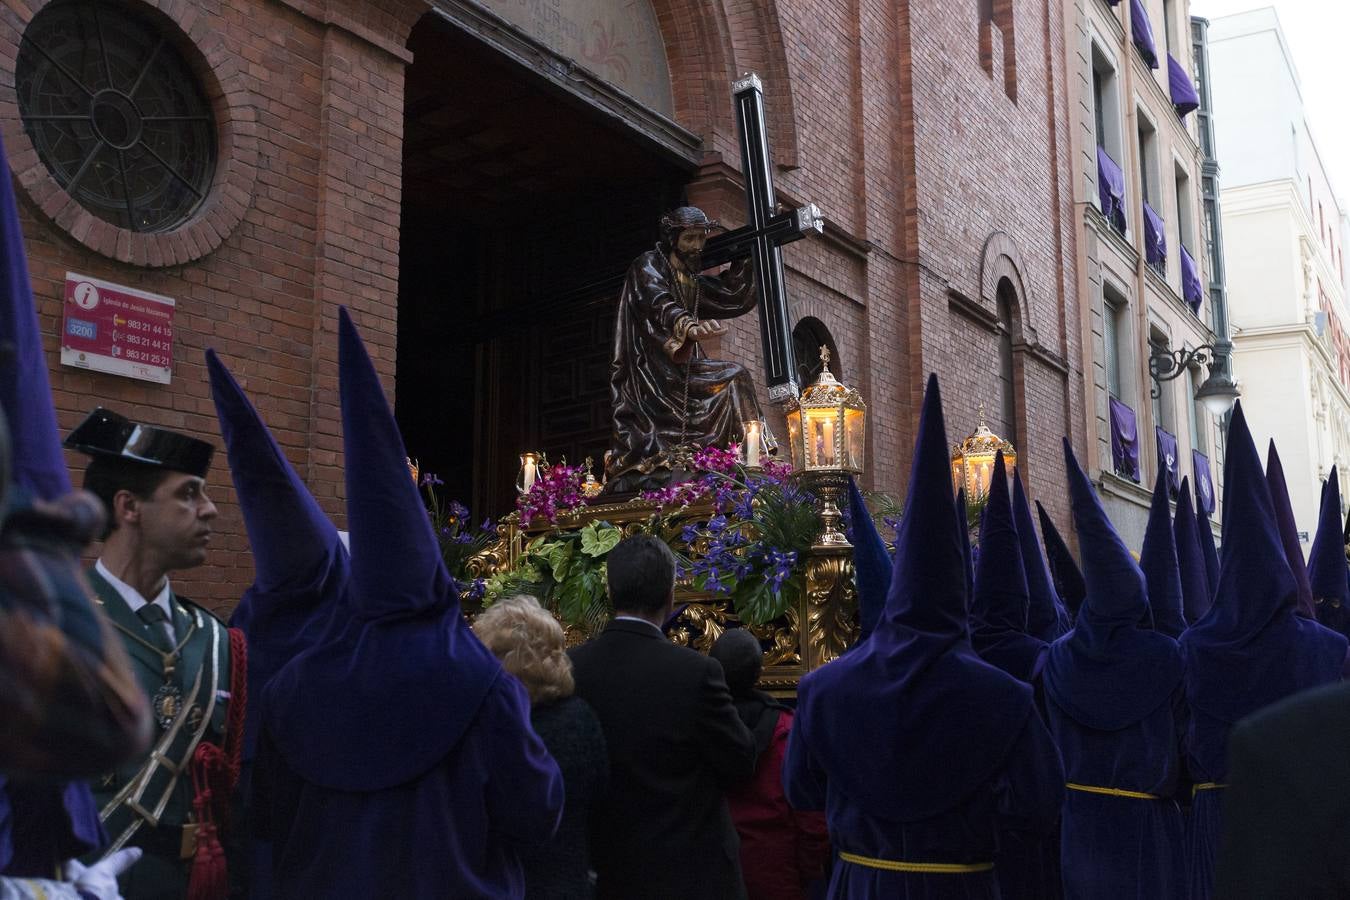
[{"x": 934, "y": 183}]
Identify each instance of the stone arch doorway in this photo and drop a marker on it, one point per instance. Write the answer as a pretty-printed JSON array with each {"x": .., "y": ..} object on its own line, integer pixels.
[{"x": 522, "y": 198}]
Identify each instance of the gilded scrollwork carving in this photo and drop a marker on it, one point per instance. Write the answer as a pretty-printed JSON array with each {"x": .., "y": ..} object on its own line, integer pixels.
[
  {"x": 700, "y": 624},
  {"x": 831, "y": 606},
  {"x": 784, "y": 647}
]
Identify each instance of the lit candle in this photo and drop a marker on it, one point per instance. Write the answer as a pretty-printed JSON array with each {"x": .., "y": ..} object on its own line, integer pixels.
[
  {"x": 530, "y": 470},
  {"x": 752, "y": 443},
  {"x": 827, "y": 429}
]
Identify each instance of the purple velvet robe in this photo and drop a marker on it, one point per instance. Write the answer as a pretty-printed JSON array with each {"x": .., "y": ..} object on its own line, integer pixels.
[{"x": 453, "y": 832}]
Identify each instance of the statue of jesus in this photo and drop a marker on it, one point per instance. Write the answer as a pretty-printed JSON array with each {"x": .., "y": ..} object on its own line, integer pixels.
[{"x": 666, "y": 391}]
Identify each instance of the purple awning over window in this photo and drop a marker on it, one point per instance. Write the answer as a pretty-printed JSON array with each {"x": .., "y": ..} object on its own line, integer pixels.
[
  {"x": 1111, "y": 187},
  {"x": 1192, "y": 291},
  {"x": 1204, "y": 482},
  {"x": 1124, "y": 440},
  {"x": 1167, "y": 457},
  {"x": 1143, "y": 33},
  {"x": 1155, "y": 238},
  {"x": 1184, "y": 97}
]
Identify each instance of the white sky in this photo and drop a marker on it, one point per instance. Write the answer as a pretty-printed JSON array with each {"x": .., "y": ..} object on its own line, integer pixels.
[{"x": 1318, "y": 33}]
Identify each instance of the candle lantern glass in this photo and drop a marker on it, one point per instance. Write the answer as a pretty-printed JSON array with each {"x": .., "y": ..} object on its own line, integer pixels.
[
  {"x": 529, "y": 471},
  {"x": 827, "y": 432},
  {"x": 973, "y": 461}
]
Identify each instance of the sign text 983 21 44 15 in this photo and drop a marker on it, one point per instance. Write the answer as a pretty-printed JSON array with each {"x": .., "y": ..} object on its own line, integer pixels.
[{"x": 116, "y": 329}]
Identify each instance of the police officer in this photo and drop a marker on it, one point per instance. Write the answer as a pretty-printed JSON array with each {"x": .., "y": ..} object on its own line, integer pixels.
[{"x": 173, "y": 802}]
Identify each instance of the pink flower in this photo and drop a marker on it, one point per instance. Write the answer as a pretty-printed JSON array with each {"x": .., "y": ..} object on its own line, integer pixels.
[{"x": 556, "y": 490}]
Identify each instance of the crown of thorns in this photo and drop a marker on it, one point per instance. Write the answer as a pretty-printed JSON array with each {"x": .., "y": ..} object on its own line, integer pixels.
[{"x": 677, "y": 220}]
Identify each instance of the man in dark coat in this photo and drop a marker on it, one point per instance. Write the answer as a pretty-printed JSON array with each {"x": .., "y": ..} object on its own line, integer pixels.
[
  {"x": 1287, "y": 813},
  {"x": 675, "y": 744}
]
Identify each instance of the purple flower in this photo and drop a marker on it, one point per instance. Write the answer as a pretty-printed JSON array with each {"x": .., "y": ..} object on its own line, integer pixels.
[
  {"x": 430, "y": 479},
  {"x": 714, "y": 583},
  {"x": 488, "y": 526},
  {"x": 717, "y": 524},
  {"x": 462, "y": 538},
  {"x": 780, "y": 567},
  {"x": 457, "y": 510},
  {"x": 689, "y": 534},
  {"x": 892, "y": 522}
]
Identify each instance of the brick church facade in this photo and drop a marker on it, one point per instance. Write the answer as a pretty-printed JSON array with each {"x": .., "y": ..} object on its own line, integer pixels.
[{"x": 465, "y": 176}]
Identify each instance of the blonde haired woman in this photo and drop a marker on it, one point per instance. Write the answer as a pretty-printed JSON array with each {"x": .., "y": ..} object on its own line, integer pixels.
[{"x": 529, "y": 643}]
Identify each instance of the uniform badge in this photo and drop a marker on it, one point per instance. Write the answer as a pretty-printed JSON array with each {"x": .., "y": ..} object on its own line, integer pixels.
[{"x": 166, "y": 704}]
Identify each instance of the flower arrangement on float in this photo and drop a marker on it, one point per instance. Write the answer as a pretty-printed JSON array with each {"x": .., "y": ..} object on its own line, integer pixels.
[{"x": 737, "y": 532}]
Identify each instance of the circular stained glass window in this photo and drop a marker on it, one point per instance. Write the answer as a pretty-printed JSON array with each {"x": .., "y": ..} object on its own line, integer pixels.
[{"x": 116, "y": 114}]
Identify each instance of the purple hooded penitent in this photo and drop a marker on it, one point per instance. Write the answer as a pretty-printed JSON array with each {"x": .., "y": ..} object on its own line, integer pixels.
[
  {"x": 872, "y": 563},
  {"x": 1064, "y": 569},
  {"x": 1112, "y": 689},
  {"x": 1250, "y": 649},
  {"x": 300, "y": 565},
  {"x": 1284, "y": 520},
  {"x": 44, "y": 823},
  {"x": 1158, "y": 560},
  {"x": 373, "y": 737},
  {"x": 1047, "y": 618},
  {"x": 1209, "y": 552},
  {"x": 967, "y": 554},
  {"x": 998, "y": 611},
  {"x": 1196, "y": 596},
  {"x": 1328, "y": 582},
  {"x": 910, "y": 740}
]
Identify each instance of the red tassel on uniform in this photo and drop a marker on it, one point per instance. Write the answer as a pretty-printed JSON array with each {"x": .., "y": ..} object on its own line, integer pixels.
[
  {"x": 215, "y": 772},
  {"x": 210, "y": 773}
]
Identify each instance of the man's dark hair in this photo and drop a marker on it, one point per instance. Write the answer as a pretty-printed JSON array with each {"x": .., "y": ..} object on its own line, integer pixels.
[
  {"x": 641, "y": 571},
  {"x": 742, "y": 659},
  {"x": 107, "y": 475}
]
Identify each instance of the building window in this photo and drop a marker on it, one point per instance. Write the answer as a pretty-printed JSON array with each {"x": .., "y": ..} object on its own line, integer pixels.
[
  {"x": 116, "y": 114},
  {"x": 1110, "y": 152},
  {"x": 1148, "y": 160},
  {"x": 1169, "y": 10},
  {"x": 1163, "y": 415},
  {"x": 1007, "y": 300},
  {"x": 1155, "y": 230},
  {"x": 1106, "y": 105},
  {"x": 1185, "y": 209},
  {"x": 1198, "y": 416},
  {"x": 998, "y": 26},
  {"x": 1116, "y": 336}
]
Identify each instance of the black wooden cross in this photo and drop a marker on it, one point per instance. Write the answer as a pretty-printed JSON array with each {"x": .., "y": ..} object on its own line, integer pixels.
[{"x": 763, "y": 235}]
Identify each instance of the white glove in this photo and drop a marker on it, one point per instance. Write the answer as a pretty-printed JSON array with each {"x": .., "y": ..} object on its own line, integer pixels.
[{"x": 100, "y": 879}]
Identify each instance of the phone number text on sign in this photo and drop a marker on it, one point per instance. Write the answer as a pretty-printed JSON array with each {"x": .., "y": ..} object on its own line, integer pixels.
[{"x": 120, "y": 330}]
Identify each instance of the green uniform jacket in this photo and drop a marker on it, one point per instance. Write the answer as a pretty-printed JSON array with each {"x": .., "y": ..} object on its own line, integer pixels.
[{"x": 163, "y": 872}]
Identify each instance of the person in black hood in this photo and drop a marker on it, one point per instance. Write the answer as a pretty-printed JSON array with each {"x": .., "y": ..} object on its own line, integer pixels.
[{"x": 782, "y": 851}]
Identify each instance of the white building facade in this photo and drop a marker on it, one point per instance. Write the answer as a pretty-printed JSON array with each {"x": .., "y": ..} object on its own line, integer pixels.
[{"x": 1284, "y": 232}]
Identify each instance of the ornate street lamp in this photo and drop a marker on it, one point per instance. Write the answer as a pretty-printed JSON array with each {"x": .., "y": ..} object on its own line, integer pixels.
[
  {"x": 1218, "y": 392},
  {"x": 826, "y": 431},
  {"x": 973, "y": 460}
]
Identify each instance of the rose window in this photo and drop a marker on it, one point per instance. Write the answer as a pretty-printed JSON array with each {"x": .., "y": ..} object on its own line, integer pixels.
[{"x": 116, "y": 114}]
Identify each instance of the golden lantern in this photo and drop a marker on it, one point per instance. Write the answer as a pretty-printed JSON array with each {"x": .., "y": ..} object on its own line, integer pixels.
[
  {"x": 826, "y": 435},
  {"x": 973, "y": 460}
]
